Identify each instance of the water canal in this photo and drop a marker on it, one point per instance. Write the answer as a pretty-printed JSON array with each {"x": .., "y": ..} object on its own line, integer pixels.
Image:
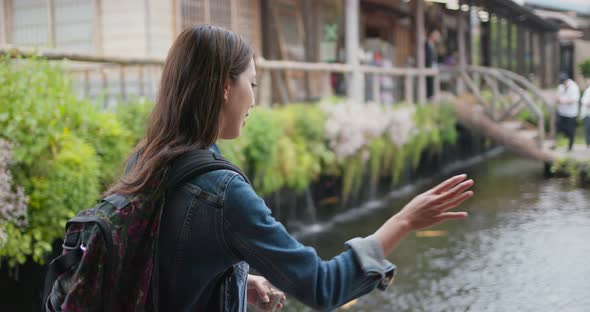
[{"x": 524, "y": 247}]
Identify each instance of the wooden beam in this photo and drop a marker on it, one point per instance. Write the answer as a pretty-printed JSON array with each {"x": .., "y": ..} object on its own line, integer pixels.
[
  {"x": 493, "y": 84},
  {"x": 509, "y": 112},
  {"x": 52, "y": 54},
  {"x": 474, "y": 89},
  {"x": 356, "y": 84},
  {"x": 420, "y": 41}
]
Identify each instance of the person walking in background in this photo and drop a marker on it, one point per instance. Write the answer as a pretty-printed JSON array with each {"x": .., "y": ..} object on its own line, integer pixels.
[
  {"x": 431, "y": 58},
  {"x": 585, "y": 114},
  {"x": 568, "y": 95}
]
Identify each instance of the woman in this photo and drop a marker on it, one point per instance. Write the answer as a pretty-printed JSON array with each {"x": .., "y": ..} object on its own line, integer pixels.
[{"x": 216, "y": 227}]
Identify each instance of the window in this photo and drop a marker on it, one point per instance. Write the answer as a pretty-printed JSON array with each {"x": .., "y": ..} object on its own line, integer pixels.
[
  {"x": 74, "y": 25},
  {"x": 30, "y": 21},
  {"x": 72, "y": 29},
  {"x": 241, "y": 16}
]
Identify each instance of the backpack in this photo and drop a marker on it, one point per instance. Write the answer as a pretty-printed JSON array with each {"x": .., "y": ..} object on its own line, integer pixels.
[{"x": 109, "y": 260}]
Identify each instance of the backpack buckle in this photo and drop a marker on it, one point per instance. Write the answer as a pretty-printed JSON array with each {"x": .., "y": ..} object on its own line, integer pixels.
[{"x": 72, "y": 241}]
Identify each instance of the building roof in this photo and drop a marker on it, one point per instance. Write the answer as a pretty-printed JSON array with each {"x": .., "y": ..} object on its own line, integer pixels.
[
  {"x": 517, "y": 14},
  {"x": 564, "y": 18}
]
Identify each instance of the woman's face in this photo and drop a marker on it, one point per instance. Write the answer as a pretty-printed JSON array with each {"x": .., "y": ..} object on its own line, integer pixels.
[{"x": 238, "y": 99}]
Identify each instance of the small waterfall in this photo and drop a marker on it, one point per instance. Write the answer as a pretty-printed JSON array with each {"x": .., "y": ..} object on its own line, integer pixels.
[{"x": 310, "y": 204}]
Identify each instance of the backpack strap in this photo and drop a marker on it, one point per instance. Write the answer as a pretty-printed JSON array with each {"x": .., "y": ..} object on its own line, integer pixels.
[
  {"x": 65, "y": 262},
  {"x": 186, "y": 167},
  {"x": 57, "y": 267},
  {"x": 195, "y": 163}
]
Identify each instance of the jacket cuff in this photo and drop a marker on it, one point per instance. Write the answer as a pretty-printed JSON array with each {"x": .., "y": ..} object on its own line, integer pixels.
[{"x": 368, "y": 252}]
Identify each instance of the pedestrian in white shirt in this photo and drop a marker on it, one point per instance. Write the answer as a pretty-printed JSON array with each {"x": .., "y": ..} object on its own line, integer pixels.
[
  {"x": 568, "y": 96},
  {"x": 585, "y": 113}
]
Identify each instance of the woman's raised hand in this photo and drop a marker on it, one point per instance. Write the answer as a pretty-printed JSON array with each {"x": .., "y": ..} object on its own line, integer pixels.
[{"x": 426, "y": 209}]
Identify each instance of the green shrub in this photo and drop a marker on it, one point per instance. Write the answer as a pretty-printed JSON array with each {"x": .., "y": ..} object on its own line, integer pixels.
[
  {"x": 585, "y": 68},
  {"x": 66, "y": 183},
  {"x": 134, "y": 117},
  {"x": 64, "y": 150}
]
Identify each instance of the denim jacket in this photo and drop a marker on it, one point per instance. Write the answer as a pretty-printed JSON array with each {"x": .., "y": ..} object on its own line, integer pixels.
[{"x": 215, "y": 228}]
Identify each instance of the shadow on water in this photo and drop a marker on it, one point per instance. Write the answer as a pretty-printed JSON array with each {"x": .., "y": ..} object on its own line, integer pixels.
[{"x": 523, "y": 248}]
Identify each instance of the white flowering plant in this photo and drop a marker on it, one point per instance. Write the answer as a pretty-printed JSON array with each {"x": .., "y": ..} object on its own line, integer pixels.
[{"x": 13, "y": 201}]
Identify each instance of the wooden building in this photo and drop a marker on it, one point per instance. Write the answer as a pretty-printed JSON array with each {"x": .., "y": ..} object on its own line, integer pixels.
[
  {"x": 365, "y": 49},
  {"x": 129, "y": 28}
]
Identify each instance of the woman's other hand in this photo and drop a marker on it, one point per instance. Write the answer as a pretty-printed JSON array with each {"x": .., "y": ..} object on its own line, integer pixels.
[{"x": 258, "y": 291}]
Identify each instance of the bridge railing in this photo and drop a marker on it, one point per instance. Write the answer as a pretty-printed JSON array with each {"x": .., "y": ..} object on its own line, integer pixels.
[
  {"x": 509, "y": 92},
  {"x": 381, "y": 84}
]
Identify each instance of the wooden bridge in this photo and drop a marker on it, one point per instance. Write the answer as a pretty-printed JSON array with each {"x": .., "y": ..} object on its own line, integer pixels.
[{"x": 496, "y": 115}]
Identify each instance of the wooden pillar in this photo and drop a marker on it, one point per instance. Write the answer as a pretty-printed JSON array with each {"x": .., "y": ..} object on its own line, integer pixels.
[
  {"x": 470, "y": 34},
  {"x": 531, "y": 42},
  {"x": 557, "y": 57},
  {"x": 543, "y": 59},
  {"x": 51, "y": 22},
  {"x": 520, "y": 50},
  {"x": 509, "y": 49},
  {"x": 462, "y": 51},
  {"x": 355, "y": 82},
  {"x": 487, "y": 39},
  {"x": 420, "y": 41},
  {"x": 265, "y": 97},
  {"x": 311, "y": 32},
  {"x": 409, "y": 88},
  {"x": 122, "y": 85},
  {"x": 499, "y": 41}
]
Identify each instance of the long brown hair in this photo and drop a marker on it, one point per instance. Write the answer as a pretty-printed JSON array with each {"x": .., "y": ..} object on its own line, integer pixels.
[{"x": 200, "y": 63}]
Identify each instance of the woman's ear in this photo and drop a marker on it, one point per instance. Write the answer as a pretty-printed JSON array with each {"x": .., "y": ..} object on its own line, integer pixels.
[{"x": 226, "y": 92}]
